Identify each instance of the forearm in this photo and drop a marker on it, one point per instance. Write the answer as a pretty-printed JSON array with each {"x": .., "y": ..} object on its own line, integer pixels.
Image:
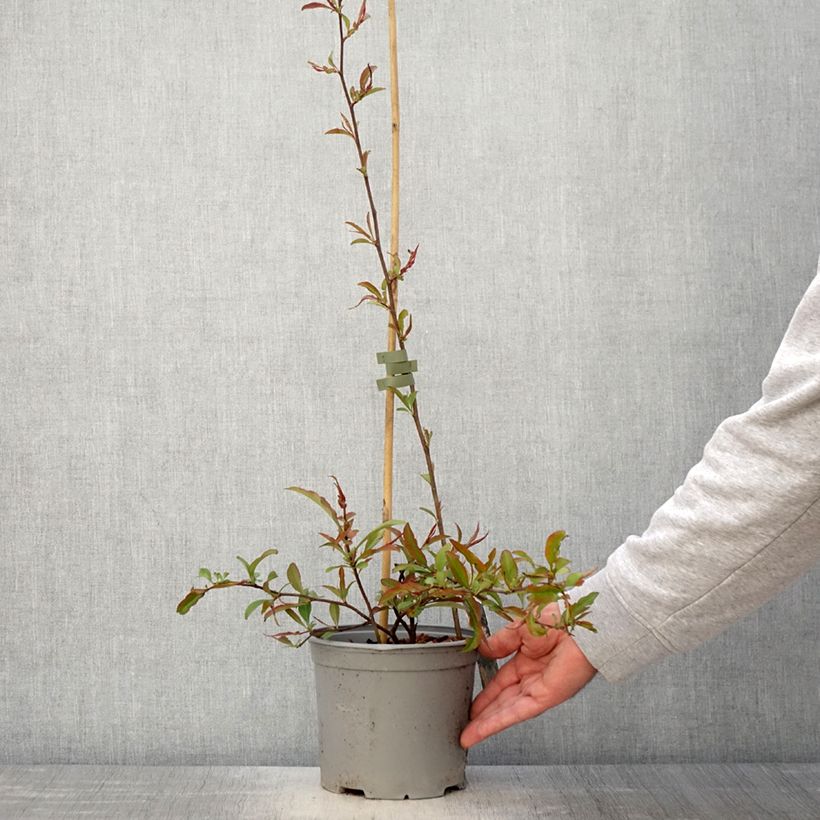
[{"x": 744, "y": 524}]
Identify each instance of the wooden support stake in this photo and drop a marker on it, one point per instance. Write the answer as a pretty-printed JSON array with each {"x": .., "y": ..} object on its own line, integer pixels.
[{"x": 389, "y": 414}]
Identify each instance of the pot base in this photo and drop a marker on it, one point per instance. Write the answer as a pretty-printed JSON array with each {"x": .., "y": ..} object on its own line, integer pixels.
[{"x": 426, "y": 793}]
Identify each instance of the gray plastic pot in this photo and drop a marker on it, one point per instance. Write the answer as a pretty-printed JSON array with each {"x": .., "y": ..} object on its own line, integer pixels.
[{"x": 390, "y": 715}]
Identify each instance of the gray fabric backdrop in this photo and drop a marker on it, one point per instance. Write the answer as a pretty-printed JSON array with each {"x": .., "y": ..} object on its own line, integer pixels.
[{"x": 617, "y": 205}]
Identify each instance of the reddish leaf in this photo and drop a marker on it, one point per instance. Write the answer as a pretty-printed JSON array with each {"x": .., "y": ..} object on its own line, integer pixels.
[
  {"x": 403, "y": 588},
  {"x": 470, "y": 556},
  {"x": 358, "y": 228},
  {"x": 411, "y": 260},
  {"x": 472, "y": 540},
  {"x": 368, "y": 298},
  {"x": 366, "y": 77},
  {"x": 317, "y": 499},
  {"x": 411, "y": 547},
  {"x": 340, "y": 496}
]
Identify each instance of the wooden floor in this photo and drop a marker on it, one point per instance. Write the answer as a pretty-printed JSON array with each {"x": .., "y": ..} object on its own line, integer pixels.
[{"x": 717, "y": 792}]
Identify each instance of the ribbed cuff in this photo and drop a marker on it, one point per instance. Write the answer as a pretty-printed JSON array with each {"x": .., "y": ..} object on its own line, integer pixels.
[{"x": 622, "y": 645}]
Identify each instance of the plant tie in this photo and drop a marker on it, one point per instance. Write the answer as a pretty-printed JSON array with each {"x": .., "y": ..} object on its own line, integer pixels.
[{"x": 399, "y": 369}]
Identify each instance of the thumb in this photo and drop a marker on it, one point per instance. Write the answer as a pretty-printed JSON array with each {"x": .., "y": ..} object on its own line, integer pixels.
[{"x": 503, "y": 643}]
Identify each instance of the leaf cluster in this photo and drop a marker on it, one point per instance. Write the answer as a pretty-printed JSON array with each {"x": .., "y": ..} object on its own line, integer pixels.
[{"x": 433, "y": 571}]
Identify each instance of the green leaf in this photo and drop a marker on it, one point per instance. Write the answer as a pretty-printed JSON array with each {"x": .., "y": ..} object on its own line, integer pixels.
[
  {"x": 293, "y": 616},
  {"x": 317, "y": 499},
  {"x": 586, "y": 625},
  {"x": 509, "y": 568},
  {"x": 295, "y": 577},
  {"x": 304, "y": 612},
  {"x": 473, "y": 609},
  {"x": 457, "y": 569},
  {"x": 206, "y": 574},
  {"x": 247, "y": 566},
  {"x": 371, "y": 91},
  {"x": 546, "y": 596},
  {"x": 553, "y": 544},
  {"x": 370, "y": 539},
  {"x": 410, "y": 567},
  {"x": 429, "y": 512},
  {"x": 584, "y": 601},
  {"x": 426, "y": 477},
  {"x": 253, "y": 606},
  {"x": 189, "y": 600},
  {"x": 474, "y": 641},
  {"x": 572, "y": 580},
  {"x": 258, "y": 560},
  {"x": 495, "y": 598},
  {"x": 515, "y": 612},
  {"x": 369, "y": 286},
  {"x": 534, "y": 626},
  {"x": 334, "y": 613}
]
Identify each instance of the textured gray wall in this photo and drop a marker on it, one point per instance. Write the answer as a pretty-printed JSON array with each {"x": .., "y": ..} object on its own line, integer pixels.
[{"x": 617, "y": 206}]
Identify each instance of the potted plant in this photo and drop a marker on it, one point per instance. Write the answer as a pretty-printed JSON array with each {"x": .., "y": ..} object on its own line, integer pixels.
[{"x": 394, "y": 692}]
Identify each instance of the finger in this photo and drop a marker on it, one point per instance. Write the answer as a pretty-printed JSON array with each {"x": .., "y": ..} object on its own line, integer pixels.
[
  {"x": 517, "y": 710},
  {"x": 502, "y": 643},
  {"x": 550, "y": 615},
  {"x": 508, "y": 675}
]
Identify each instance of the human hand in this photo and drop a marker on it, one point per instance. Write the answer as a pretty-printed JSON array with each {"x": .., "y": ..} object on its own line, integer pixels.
[{"x": 545, "y": 671}]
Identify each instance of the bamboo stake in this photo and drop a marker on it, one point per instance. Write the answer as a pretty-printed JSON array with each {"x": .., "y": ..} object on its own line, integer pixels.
[{"x": 389, "y": 399}]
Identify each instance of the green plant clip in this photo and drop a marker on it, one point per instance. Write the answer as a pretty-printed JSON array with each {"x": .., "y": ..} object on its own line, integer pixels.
[
  {"x": 399, "y": 369},
  {"x": 391, "y": 356}
]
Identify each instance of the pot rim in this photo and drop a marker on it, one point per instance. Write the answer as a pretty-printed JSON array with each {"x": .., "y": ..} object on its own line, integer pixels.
[{"x": 393, "y": 647}]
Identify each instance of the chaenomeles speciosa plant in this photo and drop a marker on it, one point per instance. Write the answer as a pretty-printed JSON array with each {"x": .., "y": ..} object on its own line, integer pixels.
[{"x": 442, "y": 569}]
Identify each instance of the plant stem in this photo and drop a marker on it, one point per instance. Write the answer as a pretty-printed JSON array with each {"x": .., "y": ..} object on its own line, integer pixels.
[
  {"x": 368, "y": 618},
  {"x": 392, "y": 298},
  {"x": 392, "y": 301},
  {"x": 369, "y": 606}
]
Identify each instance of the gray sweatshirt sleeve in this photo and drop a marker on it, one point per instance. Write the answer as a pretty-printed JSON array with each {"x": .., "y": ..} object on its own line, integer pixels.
[{"x": 743, "y": 526}]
